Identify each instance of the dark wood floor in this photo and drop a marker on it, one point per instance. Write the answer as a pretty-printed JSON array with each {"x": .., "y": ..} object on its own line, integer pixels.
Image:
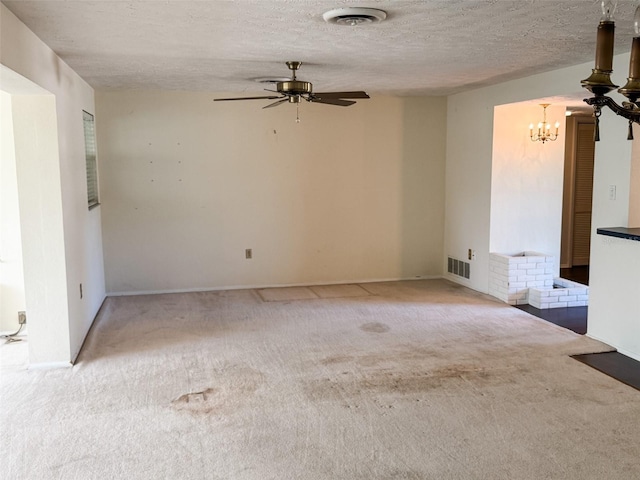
[
  {"x": 614, "y": 364},
  {"x": 572, "y": 318},
  {"x": 576, "y": 274}
]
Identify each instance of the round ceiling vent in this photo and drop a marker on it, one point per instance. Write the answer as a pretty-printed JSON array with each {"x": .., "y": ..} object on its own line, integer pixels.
[{"x": 354, "y": 16}]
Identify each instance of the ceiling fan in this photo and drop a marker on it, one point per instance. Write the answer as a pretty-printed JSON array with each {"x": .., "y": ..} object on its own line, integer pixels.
[{"x": 294, "y": 90}]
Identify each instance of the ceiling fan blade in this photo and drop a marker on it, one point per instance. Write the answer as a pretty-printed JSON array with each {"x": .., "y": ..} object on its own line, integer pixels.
[
  {"x": 341, "y": 95},
  {"x": 275, "y": 104},
  {"x": 271, "y": 97},
  {"x": 333, "y": 101}
]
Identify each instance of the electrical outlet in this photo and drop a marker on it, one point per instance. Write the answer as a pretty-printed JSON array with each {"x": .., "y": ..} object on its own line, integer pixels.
[
  {"x": 248, "y": 254},
  {"x": 22, "y": 318},
  {"x": 612, "y": 192}
]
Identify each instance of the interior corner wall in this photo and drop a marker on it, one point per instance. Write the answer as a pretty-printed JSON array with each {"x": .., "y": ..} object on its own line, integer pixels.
[
  {"x": 25, "y": 54},
  {"x": 470, "y": 118},
  {"x": 526, "y": 183},
  {"x": 12, "y": 298},
  {"x": 614, "y": 286},
  {"x": 634, "y": 184},
  {"x": 348, "y": 194}
]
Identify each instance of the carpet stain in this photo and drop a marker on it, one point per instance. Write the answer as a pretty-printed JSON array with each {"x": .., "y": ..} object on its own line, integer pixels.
[
  {"x": 403, "y": 355},
  {"x": 398, "y": 381},
  {"x": 335, "y": 359},
  {"x": 375, "y": 327},
  {"x": 196, "y": 401},
  {"x": 404, "y": 382},
  {"x": 235, "y": 387}
]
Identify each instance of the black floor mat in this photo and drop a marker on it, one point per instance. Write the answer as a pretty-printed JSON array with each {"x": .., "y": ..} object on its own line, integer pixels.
[{"x": 614, "y": 364}]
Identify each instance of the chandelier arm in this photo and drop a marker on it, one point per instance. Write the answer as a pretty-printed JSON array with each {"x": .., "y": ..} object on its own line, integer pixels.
[
  {"x": 631, "y": 113},
  {"x": 597, "y": 111}
]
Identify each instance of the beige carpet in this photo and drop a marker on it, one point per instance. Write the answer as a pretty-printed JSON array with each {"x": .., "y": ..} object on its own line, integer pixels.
[{"x": 415, "y": 380}]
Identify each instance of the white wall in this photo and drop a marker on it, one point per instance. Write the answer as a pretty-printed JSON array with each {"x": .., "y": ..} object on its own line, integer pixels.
[
  {"x": 38, "y": 173},
  {"x": 634, "y": 184},
  {"x": 614, "y": 299},
  {"x": 11, "y": 269},
  {"x": 614, "y": 296},
  {"x": 24, "y": 53},
  {"x": 526, "y": 183},
  {"x": 348, "y": 194}
]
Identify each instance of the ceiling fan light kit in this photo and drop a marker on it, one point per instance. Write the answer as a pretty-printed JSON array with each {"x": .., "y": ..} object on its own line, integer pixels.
[
  {"x": 354, "y": 16},
  {"x": 599, "y": 83}
]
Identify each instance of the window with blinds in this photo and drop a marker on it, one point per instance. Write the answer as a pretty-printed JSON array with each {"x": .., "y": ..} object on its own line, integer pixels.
[{"x": 90, "y": 157}]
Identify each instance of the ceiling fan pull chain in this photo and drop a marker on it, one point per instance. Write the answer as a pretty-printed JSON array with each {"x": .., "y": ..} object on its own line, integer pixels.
[{"x": 297, "y": 113}]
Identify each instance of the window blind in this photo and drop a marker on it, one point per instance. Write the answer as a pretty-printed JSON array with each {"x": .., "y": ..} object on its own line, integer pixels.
[{"x": 90, "y": 157}]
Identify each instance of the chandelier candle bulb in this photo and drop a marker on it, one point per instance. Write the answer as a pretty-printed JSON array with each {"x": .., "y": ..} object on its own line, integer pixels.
[
  {"x": 599, "y": 83},
  {"x": 605, "y": 38},
  {"x": 631, "y": 90},
  {"x": 634, "y": 62},
  {"x": 604, "y": 46}
]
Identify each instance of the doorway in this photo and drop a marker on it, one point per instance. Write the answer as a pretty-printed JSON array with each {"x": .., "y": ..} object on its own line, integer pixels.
[{"x": 575, "y": 245}]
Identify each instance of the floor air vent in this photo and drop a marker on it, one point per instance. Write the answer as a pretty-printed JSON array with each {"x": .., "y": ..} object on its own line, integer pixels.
[{"x": 458, "y": 267}]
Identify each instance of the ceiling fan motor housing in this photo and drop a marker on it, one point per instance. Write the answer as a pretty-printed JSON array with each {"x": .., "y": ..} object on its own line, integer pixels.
[{"x": 294, "y": 87}]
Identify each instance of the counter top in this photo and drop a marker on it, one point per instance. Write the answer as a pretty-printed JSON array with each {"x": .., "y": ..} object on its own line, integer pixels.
[{"x": 621, "y": 232}]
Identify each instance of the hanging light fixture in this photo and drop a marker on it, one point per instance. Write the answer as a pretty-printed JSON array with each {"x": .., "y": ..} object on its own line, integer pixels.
[
  {"x": 544, "y": 133},
  {"x": 599, "y": 83}
]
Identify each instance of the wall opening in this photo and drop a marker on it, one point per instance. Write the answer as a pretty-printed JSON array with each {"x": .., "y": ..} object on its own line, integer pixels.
[
  {"x": 37, "y": 172},
  {"x": 12, "y": 296}
]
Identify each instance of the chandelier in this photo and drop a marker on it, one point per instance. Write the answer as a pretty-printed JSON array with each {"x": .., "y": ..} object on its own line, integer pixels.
[
  {"x": 599, "y": 83},
  {"x": 544, "y": 133}
]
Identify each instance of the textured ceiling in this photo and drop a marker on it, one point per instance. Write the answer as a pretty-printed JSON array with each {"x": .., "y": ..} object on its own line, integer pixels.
[{"x": 425, "y": 47}]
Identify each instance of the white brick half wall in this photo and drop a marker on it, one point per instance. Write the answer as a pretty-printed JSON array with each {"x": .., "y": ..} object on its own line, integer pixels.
[
  {"x": 528, "y": 278},
  {"x": 565, "y": 294},
  {"x": 511, "y": 276}
]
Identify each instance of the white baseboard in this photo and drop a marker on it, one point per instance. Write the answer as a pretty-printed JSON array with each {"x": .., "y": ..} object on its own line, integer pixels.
[
  {"x": 49, "y": 365},
  {"x": 623, "y": 351},
  {"x": 280, "y": 285}
]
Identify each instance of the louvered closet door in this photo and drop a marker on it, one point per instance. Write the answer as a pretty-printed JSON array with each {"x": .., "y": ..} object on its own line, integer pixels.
[{"x": 583, "y": 194}]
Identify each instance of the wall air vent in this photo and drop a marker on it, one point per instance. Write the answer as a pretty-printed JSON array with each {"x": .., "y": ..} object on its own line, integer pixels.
[{"x": 458, "y": 267}]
